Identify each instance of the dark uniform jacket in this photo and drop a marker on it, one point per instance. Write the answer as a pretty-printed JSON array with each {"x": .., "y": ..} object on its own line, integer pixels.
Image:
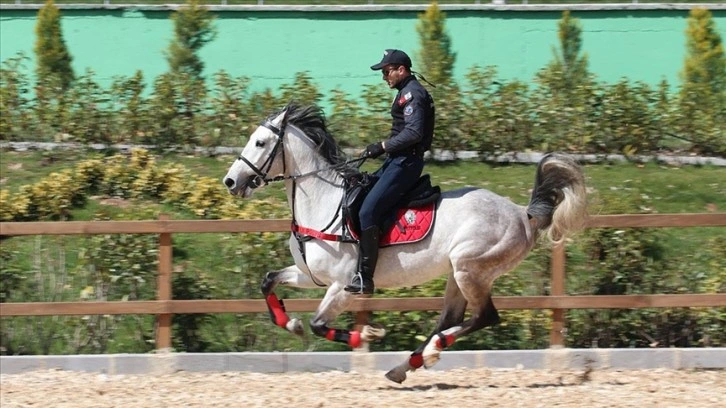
[{"x": 413, "y": 114}]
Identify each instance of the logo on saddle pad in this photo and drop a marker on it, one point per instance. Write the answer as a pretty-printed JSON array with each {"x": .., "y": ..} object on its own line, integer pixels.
[
  {"x": 410, "y": 216},
  {"x": 412, "y": 225}
]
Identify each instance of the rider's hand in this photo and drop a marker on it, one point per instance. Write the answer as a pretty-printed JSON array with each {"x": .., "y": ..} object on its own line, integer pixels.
[{"x": 374, "y": 150}]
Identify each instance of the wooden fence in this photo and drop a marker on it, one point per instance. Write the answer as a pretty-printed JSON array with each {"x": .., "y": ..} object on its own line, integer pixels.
[{"x": 164, "y": 307}]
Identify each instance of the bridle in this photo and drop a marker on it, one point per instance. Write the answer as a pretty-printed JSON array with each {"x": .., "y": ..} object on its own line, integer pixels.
[
  {"x": 262, "y": 178},
  {"x": 302, "y": 234},
  {"x": 261, "y": 174}
]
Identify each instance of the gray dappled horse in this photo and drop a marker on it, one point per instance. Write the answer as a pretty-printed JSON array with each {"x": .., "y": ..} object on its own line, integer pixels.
[{"x": 477, "y": 236}]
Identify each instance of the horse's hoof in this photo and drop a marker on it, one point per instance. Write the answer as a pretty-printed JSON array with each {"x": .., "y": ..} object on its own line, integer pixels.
[
  {"x": 372, "y": 333},
  {"x": 295, "y": 326},
  {"x": 397, "y": 375}
]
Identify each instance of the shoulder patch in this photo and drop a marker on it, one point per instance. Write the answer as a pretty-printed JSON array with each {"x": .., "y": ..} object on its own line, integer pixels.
[
  {"x": 408, "y": 110},
  {"x": 404, "y": 98}
]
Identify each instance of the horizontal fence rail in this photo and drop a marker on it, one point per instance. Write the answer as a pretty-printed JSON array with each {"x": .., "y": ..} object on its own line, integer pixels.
[
  {"x": 165, "y": 307},
  {"x": 359, "y": 305},
  {"x": 283, "y": 225}
]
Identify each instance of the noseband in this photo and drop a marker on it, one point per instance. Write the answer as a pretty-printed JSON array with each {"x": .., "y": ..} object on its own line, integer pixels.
[{"x": 261, "y": 175}]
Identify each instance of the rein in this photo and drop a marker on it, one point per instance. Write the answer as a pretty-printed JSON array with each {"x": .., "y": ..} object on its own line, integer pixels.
[
  {"x": 302, "y": 234},
  {"x": 262, "y": 178}
]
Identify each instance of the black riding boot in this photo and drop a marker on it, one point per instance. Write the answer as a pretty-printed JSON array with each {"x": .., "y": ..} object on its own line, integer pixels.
[{"x": 362, "y": 282}]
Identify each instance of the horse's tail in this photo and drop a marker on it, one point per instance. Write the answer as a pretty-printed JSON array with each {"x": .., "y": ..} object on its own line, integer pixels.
[{"x": 559, "y": 197}]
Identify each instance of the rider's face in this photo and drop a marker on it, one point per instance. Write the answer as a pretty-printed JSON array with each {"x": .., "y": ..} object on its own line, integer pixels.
[{"x": 392, "y": 74}]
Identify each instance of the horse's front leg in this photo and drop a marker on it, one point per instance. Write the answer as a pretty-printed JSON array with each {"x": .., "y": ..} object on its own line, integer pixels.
[
  {"x": 289, "y": 276},
  {"x": 334, "y": 303}
]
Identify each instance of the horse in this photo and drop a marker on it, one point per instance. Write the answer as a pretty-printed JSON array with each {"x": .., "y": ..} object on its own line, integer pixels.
[{"x": 477, "y": 236}]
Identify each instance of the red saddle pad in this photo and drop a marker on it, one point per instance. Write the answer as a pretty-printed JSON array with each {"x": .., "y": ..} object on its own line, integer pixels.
[{"x": 412, "y": 224}]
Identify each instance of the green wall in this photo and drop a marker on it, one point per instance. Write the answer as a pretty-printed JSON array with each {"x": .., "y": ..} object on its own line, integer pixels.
[{"x": 337, "y": 47}]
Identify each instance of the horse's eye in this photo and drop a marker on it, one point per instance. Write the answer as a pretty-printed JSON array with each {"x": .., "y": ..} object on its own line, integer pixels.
[{"x": 259, "y": 143}]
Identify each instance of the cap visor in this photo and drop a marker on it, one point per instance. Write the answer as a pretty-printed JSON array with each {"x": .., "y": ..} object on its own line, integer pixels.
[{"x": 378, "y": 66}]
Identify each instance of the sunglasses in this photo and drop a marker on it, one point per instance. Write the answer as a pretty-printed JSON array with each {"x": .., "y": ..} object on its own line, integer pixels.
[{"x": 387, "y": 71}]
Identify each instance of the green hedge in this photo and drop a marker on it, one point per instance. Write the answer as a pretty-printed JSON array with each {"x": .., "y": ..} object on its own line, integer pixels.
[{"x": 486, "y": 114}]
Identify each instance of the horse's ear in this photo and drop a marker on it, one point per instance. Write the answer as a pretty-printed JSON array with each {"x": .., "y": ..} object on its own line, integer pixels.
[
  {"x": 281, "y": 119},
  {"x": 288, "y": 109},
  {"x": 283, "y": 124}
]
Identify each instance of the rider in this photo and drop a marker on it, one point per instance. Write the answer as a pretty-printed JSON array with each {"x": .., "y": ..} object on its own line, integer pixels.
[{"x": 412, "y": 131}]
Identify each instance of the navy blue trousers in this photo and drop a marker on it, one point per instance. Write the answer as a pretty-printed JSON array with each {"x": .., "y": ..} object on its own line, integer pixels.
[{"x": 395, "y": 178}]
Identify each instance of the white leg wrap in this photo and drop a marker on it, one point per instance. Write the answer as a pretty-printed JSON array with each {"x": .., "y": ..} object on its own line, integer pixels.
[
  {"x": 295, "y": 326},
  {"x": 369, "y": 334},
  {"x": 432, "y": 352}
]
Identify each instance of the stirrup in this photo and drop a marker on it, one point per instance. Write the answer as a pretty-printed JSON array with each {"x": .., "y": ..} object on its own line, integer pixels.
[{"x": 360, "y": 286}]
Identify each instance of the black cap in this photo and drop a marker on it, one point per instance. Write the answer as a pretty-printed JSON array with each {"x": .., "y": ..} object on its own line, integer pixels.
[{"x": 393, "y": 57}]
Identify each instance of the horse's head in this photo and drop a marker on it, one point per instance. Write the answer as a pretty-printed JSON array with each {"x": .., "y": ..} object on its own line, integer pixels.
[{"x": 261, "y": 160}]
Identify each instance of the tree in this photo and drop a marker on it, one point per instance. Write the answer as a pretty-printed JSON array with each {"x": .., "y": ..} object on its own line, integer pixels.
[
  {"x": 705, "y": 62},
  {"x": 435, "y": 56},
  {"x": 566, "y": 100},
  {"x": 569, "y": 63},
  {"x": 53, "y": 58},
  {"x": 701, "y": 116},
  {"x": 437, "y": 64},
  {"x": 193, "y": 28}
]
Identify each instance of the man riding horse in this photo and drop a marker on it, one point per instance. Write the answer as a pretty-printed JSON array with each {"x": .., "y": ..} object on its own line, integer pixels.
[{"x": 412, "y": 132}]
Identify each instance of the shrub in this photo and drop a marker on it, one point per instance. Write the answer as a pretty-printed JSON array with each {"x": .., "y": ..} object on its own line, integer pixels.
[
  {"x": 15, "y": 110},
  {"x": 627, "y": 120},
  {"x": 229, "y": 117},
  {"x": 89, "y": 117}
]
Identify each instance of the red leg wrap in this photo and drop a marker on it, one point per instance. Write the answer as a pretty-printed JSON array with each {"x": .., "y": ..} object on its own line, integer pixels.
[
  {"x": 449, "y": 340},
  {"x": 351, "y": 338},
  {"x": 354, "y": 340},
  {"x": 277, "y": 310},
  {"x": 416, "y": 360}
]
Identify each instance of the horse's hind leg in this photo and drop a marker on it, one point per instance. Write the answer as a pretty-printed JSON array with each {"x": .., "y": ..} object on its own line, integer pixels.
[
  {"x": 453, "y": 314},
  {"x": 482, "y": 316},
  {"x": 474, "y": 278},
  {"x": 428, "y": 353}
]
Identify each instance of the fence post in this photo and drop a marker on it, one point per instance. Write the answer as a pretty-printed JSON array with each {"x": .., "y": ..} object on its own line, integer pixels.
[
  {"x": 163, "y": 288},
  {"x": 557, "y": 288}
]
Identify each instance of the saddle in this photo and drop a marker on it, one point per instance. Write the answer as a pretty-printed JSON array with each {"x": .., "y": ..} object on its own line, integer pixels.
[{"x": 413, "y": 215}]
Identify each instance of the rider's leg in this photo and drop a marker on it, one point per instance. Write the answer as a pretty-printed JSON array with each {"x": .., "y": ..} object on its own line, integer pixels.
[
  {"x": 396, "y": 177},
  {"x": 362, "y": 282}
]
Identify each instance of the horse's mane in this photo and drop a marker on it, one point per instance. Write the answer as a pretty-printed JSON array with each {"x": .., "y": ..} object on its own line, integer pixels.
[{"x": 311, "y": 121}]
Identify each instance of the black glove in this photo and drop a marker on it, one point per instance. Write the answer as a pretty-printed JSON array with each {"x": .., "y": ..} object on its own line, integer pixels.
[{"x": 374, "y": 150}]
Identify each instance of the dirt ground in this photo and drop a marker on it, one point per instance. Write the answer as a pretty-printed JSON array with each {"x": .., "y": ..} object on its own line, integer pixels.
[{"x": 453, "y": 388}]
